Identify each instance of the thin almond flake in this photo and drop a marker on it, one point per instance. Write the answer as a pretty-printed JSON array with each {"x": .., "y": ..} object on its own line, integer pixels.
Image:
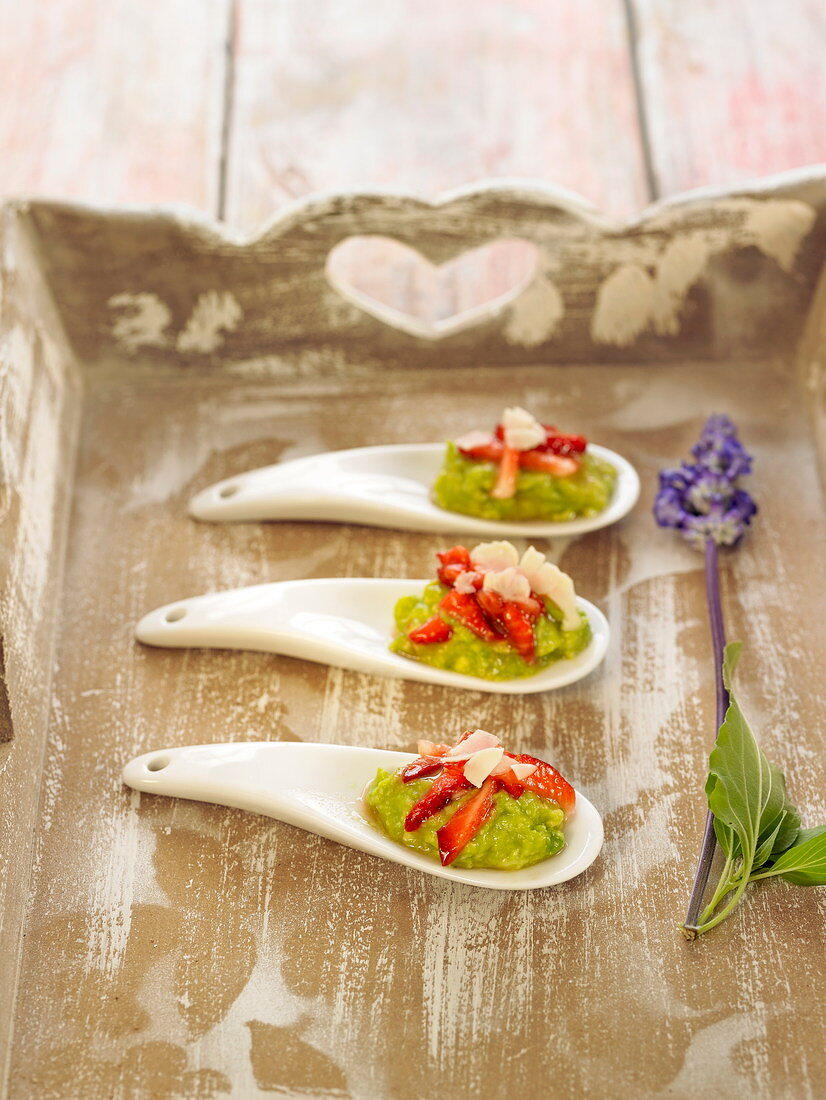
[
  {"x": 522, "y": 431},
  {"x": 511, "y": 584},
  {"x": 478, "y": 740},
  {"x": 464, "y": 583},
  {"x": 522, "y": 771},
  {"x": 481, "y": 765},
  {"x": 547, "y": 579},
  {"x": 426, "y": 748},
  {"x": 494, "y": 555}
]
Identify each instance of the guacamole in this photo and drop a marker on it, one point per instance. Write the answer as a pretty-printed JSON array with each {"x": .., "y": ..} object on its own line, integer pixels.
[
  {"x": 465, "y": 484},
  {"x": 520, "y": 832},
  {"x": 466, "y": 653}
]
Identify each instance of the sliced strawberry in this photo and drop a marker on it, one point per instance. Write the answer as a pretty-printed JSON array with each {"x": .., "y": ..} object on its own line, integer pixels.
[
  {"x": 451, "y": 563},
  {"x": 519, "y": 626},
  {"x": 511, "y": 784},
  {"x": 558, "y": 444},
  {"x": 505, "y": 485},
  {"x": 442, "y": 790},
  {"x": 463, "y": 606},
  {"x": 547, "y": 782},
  {"x": 431, "y": 748},
  {"x": 456, "y": 555},
  {"x": 493, "y": 605},
  {"x": 421, "y": 767},
  {"x": 484, "y": 452},
  {"x": 534, "y": 606},
  {"x": 557, "y": 465},
  {"x": 466, "y": 822},
  {"x": 500, "y": 431},
  {"x": 434, "y": 630},
  {"x": 447, "y": 574}
]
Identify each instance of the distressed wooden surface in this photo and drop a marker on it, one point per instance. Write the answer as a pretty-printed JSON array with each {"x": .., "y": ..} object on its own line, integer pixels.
[
  {"x": 39, "y": 419},
  {"x": 111, "y": 101},
  {"x": 431, "y": 99},
  {"x": 181, "y": 951},
  {"x": 200, "y": 951},
  {"x": 731, "y": 90}
]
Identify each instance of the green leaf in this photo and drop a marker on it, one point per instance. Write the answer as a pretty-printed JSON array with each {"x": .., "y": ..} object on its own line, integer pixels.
[
  {"x": 743, "y": 790},
  {"x": 805, "y": 863},
  {"x": 780, "y": 819},
  {"x": 727, "y": 839},
  {"x": 731, "y": 658},
  {"x": 807, "y": 834},
  {"x": 766, "y": 846}
]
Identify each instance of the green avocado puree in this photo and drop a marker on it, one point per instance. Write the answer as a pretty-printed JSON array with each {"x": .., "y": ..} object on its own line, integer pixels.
[
  {"x": 466, "y": 653},
  {"x": 465, "y": 484},
  {"x": 519, "y": 832}
]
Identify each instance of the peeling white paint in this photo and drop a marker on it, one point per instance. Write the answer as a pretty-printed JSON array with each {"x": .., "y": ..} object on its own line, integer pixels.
[
  {"x": 141, "y": 322},
  {"x": 650, "y": 289},
  {"x": 624, "y": 306},
  {"x": 535, "y": 315},
  {"x": 215, "y": 312}
]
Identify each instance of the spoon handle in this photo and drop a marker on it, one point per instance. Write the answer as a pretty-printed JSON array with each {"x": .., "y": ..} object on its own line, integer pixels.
[
  {"x": 314, "y": 786},
  {"x": 338, "y": 621},
  {"x": 247, "y": 775},
  {"x": 289, "y": 490}
]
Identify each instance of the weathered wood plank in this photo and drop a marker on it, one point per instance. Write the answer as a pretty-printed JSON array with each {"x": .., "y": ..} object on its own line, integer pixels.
[
  {"x": 193, "y": 949},
  {"x": 39, "y": 423},
  {"x": 732, "y": 90},
  {"x": 113, "y": 101},
  {"x": 348, "y": 93}
]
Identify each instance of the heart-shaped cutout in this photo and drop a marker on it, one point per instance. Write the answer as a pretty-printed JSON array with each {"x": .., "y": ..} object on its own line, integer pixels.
[{"x": 397, "y": 285}]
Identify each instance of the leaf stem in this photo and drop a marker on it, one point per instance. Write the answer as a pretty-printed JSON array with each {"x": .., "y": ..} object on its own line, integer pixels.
[
  {"x": 707, "y": 925},
  {"x": 718, "y": 641},
  {"x": 725, "y": 884}
]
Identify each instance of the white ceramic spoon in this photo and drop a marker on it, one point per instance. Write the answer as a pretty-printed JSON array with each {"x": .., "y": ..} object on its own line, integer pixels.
[
  {"x": 383, "y": 487},
  {"x": 343, "y": 621},
  {"x": 319, "y": 788}
]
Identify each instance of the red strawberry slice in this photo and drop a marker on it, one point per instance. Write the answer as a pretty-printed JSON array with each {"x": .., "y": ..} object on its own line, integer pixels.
[
  {"x": 515, "y": 620},
  {"x": 558, "y": 444},
  {"x": 463, "y": 606},
  {"x": 511, "y": 784},
  {"x": 442, "y": 790},
  {"x": 466, "y": 822},
  {"x": 500, "y": 431},
  {"x": 420, "y": 767},
  {"x": 484, "y": 452},
  {"x": 431, "y": 748},
  {"x": 519, "y": 626},
  {"x": 547, "y": 782},
  {"x": 493, "y": 605},
  {"x": 434, "y": 630},
  {"x": 452, "y": 563},
  {"x": 456, "y": 555},
  {"x": 556, "y": 465},
  {"x": 505, "y": 486},
  {"x": 447, "y": 574}
]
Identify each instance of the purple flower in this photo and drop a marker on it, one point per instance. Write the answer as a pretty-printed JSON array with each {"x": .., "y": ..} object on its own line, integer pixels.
[
  {"x": 703, "y": 499},
  {"x": 719, "y": 449}
]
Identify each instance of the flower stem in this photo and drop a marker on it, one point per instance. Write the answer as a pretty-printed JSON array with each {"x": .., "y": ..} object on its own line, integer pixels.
[{"x": 718, "y": 641}]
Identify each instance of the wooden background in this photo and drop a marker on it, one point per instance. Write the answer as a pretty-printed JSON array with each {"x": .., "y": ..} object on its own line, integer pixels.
[{"x": 236, "y": 109}]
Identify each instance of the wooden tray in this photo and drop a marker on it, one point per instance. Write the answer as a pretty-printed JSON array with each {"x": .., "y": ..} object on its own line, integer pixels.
[{"x": 186, "y": 950}]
